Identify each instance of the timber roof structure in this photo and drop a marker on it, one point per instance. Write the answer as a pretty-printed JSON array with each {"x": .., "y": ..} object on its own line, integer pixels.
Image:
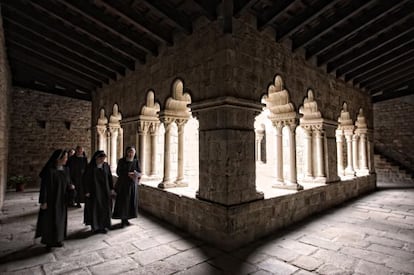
[{"x": 73, "y": 47}]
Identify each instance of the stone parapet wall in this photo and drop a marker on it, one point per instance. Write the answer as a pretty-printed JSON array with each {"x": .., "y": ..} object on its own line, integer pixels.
[
  {"x": 41, "y": 123},
  {"x": 235, "y": 226}
]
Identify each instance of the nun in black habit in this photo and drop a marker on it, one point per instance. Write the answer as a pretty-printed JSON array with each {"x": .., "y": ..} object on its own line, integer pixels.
[
  {"x": 129, "y": 173},
  {"x": 52, "y": 218},
  {"x": 98, "y": 192}
]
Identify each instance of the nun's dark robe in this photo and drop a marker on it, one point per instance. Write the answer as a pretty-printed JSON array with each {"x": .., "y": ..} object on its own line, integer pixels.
[
  {"x": 98, "y": 207},
  {"x": 77, "y": 166},
  {"x": 52, "y": 222},
  {"x": 126, "y": 204}
]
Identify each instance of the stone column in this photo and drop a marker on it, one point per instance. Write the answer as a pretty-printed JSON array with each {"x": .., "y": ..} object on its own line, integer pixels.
[
  {"x": 291, "y": 182},
  {"x": 259, "y": 139},
  {"x": 227, "y": 150},
  {"x": 101, "y": 137},
  {"x": 308, "y": 151},
  {"x": 113, "y": 148},
  {"x": 279, "y": 153},
  {"x": 320, "y": 169},
  {"x": 349, "y": 170},
  {"x": 166, "y": 182},
  {"x": 340, "y": 152},
  {"x": 180, "y": 169},
  {"x": 355, "y": 152},
  {"x": 120, "y": 142},
  {"x": 143, "y": 131},
  {"x": 292, "y": 155},
  {"x": 363, "y": 150},
  {"x": 154, "y": 134}
]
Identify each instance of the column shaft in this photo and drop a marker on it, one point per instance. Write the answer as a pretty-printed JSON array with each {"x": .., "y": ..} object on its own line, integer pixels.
[
  {"x": 308, "y": 152},
  {"x": 340, "y": 152},
  {"x": 153, "y": 168},
  {"x": 320, "y": 171},
  {"x": 180, "y": 163},
  {"x": 279, "y": 154},
  {"x": 292, "y": 155}
]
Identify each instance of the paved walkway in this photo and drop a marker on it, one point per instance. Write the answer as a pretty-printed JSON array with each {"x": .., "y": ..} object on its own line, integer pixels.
[{"x": 373, "y": 234}]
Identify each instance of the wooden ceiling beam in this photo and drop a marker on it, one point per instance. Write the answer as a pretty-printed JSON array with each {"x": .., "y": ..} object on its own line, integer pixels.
[
  {"x": 67, "y": 92},
  {"x": 400, "y": 62},
  {"x": 376, "y": 54},
  {"x": 379, "y": 63},
  {"x": 227, "y": 7},
  {"x": 29, "y": 73},
  {"x": 270, "y": 14},
  {"x": 371, "y": 61},
  {"x": 53, "y": 70},
  {"x": 368, "y": 20},
  {"x": 68, "y": 40},
  {"x": 172, "y": 16},
  {"x": 327, "y": 25},
  {"x": 392, "y": 81},
  {"x": 117, "y": 9},
  {"x": 394, "y": 34},
  {"x": 55, "y": 60},
  {"x": 47, "y": 47},
  {"x": 88, "y": 29},
  {"x": 208, "y": 7},
  {"x": 93, "y": 14},
  {"x": 311, "y": 12},
  {"x": 402, "y": 89},
  {"x": 242, "y": 6},
  {"x": 401, "y": 70}
]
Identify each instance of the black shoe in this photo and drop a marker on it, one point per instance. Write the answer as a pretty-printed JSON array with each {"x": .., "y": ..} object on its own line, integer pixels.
[
  {"x": 125, "y": 222},
  {"x": 49, "y": 246},
  {"x": 103, "y": 231}
]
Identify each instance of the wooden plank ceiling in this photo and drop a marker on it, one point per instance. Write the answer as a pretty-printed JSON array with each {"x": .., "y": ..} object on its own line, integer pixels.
[{"x": 73, "y": 47}]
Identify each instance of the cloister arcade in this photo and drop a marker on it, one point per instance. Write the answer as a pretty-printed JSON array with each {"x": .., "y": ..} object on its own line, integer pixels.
[{"x": 293, "y": 152}]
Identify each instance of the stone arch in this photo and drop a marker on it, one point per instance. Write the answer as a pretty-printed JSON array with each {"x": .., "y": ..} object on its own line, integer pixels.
[
  {"x": 345, "y": 139},
  {"x": 176, "y": 114},
  {"x": 284, "y": 118},
  {"x": 148, "y": 130},
  {"x": 317, "y": 134}
]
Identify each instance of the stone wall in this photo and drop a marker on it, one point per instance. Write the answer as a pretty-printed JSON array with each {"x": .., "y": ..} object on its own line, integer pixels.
[
  {"x": 394, "y": 129},
  {"x": 5, "y": 97},
  {"x": 231, "y": 227},
  {"x": 41, "y": 123},
  {"x": 241, "y": 65}
]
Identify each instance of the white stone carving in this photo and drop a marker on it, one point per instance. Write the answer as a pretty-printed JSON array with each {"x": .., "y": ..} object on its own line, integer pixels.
[
  {"x": 148, "y": 130},
  {"x": 176, "y": 111},
  {"x": 282, "y": 113}
]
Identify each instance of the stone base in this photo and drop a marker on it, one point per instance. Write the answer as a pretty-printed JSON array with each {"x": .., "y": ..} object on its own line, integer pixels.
[
  {"x": 234, "y": 226},
  {"x": 289, "y": 186},
  {"x": 165, "y": 185},
  {"x": 317, "y": 180}
]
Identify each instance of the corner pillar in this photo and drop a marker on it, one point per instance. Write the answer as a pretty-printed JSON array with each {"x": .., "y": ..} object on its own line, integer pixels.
[{"x": 227, "y": 168}]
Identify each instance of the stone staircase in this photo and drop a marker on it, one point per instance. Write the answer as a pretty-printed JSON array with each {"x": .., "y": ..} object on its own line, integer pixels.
[{"x": 390, "y": 172}]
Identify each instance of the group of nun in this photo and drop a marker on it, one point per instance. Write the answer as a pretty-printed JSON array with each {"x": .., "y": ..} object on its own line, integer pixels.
[{"x": 99, "y": 194}]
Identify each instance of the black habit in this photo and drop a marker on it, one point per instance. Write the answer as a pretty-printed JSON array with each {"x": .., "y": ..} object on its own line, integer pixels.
[
  {"x": 77, "y": 166},
  {"x": 52, "y": 222},
  {"x": 98, "y": 207},
  {"x": 126, "y": 204}
]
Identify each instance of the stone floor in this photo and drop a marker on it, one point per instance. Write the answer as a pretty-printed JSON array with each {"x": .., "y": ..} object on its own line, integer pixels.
[{"x": 373, "y": 234}]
